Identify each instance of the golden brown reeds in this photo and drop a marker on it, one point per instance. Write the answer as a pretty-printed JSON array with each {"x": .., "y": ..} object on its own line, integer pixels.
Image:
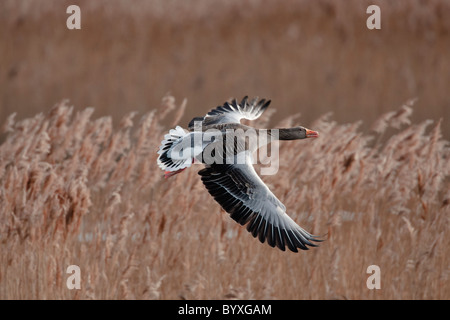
[{"x": 76, "y": 190}]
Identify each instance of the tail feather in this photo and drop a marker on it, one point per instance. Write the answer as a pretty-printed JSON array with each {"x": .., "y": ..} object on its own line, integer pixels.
[
  {"x": 168, "y": 174},
  {"x": 165, "y": 161}
]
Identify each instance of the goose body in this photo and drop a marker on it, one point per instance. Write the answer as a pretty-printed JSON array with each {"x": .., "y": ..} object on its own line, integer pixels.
[{"x": 226, "y": 146}]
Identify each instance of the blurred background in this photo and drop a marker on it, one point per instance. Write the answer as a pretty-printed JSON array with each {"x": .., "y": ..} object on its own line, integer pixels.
[{"x": 310, "y": 57}]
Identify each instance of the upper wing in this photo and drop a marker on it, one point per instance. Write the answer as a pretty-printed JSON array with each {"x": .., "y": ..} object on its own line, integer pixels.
[
  {"x": 240, "y": 192},
  {"x": 233, "y": 112}
]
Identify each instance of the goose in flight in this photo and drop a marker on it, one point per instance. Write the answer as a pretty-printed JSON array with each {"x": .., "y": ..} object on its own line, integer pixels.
[{"x": 225, "y": 146}]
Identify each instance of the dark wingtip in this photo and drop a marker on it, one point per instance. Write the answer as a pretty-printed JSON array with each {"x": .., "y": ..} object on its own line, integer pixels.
[{"x": 244, "y": 102}]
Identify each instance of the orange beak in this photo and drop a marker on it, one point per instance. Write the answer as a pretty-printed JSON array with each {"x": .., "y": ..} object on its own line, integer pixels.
[{"x": 311, "y": 134}]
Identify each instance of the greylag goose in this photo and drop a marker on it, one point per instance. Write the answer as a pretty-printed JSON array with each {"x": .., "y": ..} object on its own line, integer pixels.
[{"x": 229, "y": 175}]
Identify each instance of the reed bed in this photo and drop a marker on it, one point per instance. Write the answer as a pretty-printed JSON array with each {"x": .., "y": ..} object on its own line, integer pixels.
[
  {"x": 313, "y": 56},
  {"x": 79, "y": 191}
]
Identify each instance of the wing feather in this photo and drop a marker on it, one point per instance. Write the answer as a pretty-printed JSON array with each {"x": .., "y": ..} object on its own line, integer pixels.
[
  {"x": 242, "y": 193},
  {"x": 233, "y": 112}
]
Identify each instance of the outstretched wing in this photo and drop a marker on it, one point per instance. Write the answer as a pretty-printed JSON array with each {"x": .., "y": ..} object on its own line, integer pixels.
[
  {"x": 242, "y": 193},
  {"x": 233, "y": 112}
]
